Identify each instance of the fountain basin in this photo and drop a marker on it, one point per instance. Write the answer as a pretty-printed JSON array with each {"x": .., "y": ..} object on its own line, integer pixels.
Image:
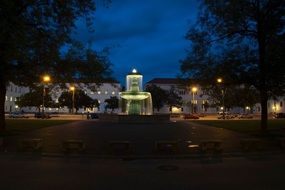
[
  {"x": 134, "y": 95},
  {"x": 136, "y": 119}
]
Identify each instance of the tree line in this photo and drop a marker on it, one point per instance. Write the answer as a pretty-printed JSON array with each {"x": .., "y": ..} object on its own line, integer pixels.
[{"x": 241, "y": 41}]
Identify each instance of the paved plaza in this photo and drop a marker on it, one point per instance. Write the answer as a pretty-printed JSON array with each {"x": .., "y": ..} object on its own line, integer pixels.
[
  {"x": 142, "y": 137},
  {"x": 143, "y": 168},
  {"x": 36, "y": 172}
]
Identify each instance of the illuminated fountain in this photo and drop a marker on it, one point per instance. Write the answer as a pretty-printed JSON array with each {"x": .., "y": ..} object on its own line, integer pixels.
[
  {"x": 134, "y": 101},
  {"x": 136, "y": 105}
]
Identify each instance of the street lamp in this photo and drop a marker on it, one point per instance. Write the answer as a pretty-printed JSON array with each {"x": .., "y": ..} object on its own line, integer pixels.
[
  {"x": 46, "y": 79},
  {"x": 72, "y": 88},
  {"x": 220, "y": 81},
  {"x": 194, "y": 90}
]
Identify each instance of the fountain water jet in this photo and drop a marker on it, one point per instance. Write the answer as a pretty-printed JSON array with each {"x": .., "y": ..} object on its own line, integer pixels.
[{"x": 134, "y": 101}]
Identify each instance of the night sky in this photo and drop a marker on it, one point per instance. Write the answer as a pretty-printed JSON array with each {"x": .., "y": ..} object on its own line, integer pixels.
[{"x": 148, "y": 35}]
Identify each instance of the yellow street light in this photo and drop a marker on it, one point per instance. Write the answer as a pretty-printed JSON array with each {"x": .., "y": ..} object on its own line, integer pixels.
[
  {"x": 72, "y": 88},
  {"x": 219, "y": 80},
  {"x": 46, "y": 79},
  {"x": 194, "y": 90}
]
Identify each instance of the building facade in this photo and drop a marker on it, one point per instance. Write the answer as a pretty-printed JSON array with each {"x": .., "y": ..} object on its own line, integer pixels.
[
  {"x": 195, "y": 101},
  {"x": 100, "y": 92},
  {"x": 12, "y": 93}
]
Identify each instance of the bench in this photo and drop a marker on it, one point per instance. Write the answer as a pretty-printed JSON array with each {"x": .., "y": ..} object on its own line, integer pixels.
[
  {"x": 211, "y": 147},
  {"x": 120, "y": 147},
  {"x": 73, "y": 145},
  {"x": 251, "y": 144},
  {"x": 166, "y": 146},
  {"x": 30, "y": 145}
]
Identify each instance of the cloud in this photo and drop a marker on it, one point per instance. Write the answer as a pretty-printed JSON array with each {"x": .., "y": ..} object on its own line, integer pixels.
[{"x": 148, "y": 35}]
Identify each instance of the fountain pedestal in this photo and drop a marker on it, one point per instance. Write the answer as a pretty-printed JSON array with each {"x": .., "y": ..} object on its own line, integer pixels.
[
  {"x": 134, "y": 101},
  {"x": 136, "y": 105}
]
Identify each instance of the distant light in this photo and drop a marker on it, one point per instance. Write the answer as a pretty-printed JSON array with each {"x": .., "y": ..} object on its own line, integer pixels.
[
  {"x": 219, "y": 80},
  {"x": 16, "y": 106},
  {"x": 134, "y": 71},
  {"x": 46, "y": 78},
  {"x": 247, "y": 108},
  {"x": 71, "y": 88},
  {"x": 194, "y": 89}
]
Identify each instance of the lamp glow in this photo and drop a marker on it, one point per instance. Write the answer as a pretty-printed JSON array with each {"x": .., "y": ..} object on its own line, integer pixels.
[
  {"x": 134, "y": 71},
  {"x": 194, "y": 89},
  {"x": 46, "y": 78}
]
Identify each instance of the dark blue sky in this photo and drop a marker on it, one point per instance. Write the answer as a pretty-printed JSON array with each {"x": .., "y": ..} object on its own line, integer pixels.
[{"x": 148, "y": 35}]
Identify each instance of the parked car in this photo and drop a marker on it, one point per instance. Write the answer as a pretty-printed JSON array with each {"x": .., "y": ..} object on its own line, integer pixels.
[
  {"x": 226, "y": 116},
  {"x": 190, "y": 116},
  {"x": 279, "y": 115},
  {"x": 42, "y": 115},
  {"x": 17, "y": 115},
  {"x": 245, "y": 116},
  {"x": 92, "y": 116}
]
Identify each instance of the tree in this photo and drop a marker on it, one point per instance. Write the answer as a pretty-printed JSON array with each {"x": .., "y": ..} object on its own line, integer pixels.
[
  {"x": 232, "y": 95},
  {"x": 173, "y": 99},
  {"x": 112, "y": 103},
  {"x": 158, "y": 95},
  {"x": 34, "y": 98},
  {"x": 33, "y": 35},
  {"x": 242, "y": 41},
  {"x": 80, "y": 100}
]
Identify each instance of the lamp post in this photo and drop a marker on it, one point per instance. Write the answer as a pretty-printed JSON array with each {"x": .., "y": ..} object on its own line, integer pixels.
[
  {"x": 72, "y": 88},
  {"x": 194, "y": 90},
  {"x": 220, "y": 81},
  {"x": 46, "y": 79}
]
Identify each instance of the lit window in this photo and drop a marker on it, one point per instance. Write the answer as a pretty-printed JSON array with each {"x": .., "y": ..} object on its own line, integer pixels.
[
  {"x": 11, "y": 99},
  {"x": 91, "y": 92},
  {"x": 99, "y": 92},
  {"x": 99, "y": 101},
  {"x": 106, "y": 92},
  {"x": 6, "y": 98},
  {"x": 113, "y": 92}
]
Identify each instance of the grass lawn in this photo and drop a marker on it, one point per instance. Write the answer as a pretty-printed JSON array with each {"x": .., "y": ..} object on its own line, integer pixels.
[
  {"x": 243, "y": 126},
  {"x": 16, "y": 126}
]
